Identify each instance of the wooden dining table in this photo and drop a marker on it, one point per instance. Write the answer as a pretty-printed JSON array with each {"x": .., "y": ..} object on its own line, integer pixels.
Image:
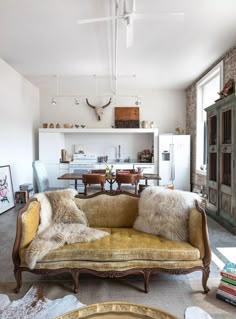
[{"x": 110, "y": 178}]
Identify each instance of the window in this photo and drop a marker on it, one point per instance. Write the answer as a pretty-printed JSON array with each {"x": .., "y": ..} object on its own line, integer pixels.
[{"x": 207, "y": 92}]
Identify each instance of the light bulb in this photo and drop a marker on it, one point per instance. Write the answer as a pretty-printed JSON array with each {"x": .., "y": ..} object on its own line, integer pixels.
[
  {"x": 54, "y": 100},
  {"x": 76, "y": 101}
]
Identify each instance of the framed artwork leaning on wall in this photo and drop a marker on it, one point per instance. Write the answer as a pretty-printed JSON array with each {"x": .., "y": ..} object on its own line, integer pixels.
[{"x": 6, "y": 189}]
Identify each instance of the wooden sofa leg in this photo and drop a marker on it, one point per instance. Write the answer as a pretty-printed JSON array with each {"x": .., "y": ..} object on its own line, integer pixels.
[
  {"x": 75, "y": 275},
  {"x": 146, "y": 275},
  {"x": 205, "y": 276},
  {"x": 18, "y": 277}
]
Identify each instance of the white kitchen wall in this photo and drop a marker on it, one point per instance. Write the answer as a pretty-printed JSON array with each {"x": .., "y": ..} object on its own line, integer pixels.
[
  {"x": 19, "y": 121},
  {"x": 166, "y": 108}
]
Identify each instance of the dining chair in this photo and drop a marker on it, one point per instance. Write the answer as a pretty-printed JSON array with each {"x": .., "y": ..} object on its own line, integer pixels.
[
  {"x": 129, "y": 178},
  {"x": 41, "y": 177},
  {"x": 93, "y": 179},
  {"x": 98, "y": 171},
  {"x": 126, "y": 171}
]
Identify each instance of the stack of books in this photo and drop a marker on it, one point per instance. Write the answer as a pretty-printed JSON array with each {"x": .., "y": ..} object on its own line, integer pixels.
[
  {"x": 227, "y": 288},
  {"x": 27, "y": 187}
]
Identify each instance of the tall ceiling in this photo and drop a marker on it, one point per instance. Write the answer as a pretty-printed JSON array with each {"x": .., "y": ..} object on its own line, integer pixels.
[{"x": 42, "y": 38}]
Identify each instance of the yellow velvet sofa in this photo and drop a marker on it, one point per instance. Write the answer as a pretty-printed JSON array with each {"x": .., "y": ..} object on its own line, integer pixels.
[{"x": 125, "y": 251}]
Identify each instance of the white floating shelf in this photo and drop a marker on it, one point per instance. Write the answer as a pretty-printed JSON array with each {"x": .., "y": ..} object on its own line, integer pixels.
[{"x": 99, "y": 130}]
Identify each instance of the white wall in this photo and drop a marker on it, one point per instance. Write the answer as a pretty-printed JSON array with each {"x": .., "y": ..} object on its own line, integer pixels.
[
  {"x": 166, "y": 108},
  {"x": 19, "y": 122}
]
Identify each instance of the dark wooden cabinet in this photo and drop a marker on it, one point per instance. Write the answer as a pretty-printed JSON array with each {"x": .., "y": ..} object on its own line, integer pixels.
[{"x": 221, "y": 171}]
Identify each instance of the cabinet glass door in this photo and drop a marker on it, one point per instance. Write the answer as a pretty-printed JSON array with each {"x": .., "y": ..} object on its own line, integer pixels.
[
  {"x": 212, "y": 130},
  {"x": 213, "y": 167},
  {"x": 226, "y": 169},
  {"x": 226, "y": 127}
]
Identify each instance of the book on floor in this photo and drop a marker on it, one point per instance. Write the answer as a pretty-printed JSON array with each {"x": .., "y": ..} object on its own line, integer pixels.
[
  {"x": 228, "y": 288},
  {"x": 229, "y": 280},
  {"x": 221, "y": 297},
  {"x": 229, "y": 270}
]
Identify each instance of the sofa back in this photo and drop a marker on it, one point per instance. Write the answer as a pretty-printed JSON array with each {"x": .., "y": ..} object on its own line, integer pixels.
[{"x": 105, "y": 210}]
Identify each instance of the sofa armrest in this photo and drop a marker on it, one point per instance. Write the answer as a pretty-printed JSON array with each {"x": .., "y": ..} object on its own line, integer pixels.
[
  {"x": 198, "y": 233},
  {"x": 27, "y": 224}
]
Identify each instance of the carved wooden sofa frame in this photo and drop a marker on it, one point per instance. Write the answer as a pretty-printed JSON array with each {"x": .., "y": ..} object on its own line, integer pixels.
[{"x": 75, "y": 272}]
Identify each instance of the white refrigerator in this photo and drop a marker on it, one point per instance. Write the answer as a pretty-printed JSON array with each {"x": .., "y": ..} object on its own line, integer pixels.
[{"x": 174, "y": 160}]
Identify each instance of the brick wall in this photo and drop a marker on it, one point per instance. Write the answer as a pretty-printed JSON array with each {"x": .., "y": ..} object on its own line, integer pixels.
[{"x": 229, "y": 70}]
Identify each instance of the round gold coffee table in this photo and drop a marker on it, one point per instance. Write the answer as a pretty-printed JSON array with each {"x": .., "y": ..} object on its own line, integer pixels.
[{"x": 117, "y": 310}]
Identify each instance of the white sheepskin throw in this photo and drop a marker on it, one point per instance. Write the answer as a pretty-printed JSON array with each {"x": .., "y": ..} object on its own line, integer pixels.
[
  {"x": 61, "y": 222},
  {"x": 165, "y": 212}
]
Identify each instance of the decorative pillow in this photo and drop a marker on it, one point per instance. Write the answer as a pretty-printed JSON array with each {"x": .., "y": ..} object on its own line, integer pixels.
[
  {"x": 59, "y": 207},
  {"x": 165, "y": 212}
]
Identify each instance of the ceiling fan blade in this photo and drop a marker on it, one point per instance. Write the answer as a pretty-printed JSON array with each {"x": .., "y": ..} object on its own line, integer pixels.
[
  {"x": 83, "y": 21},
  {"x": 179, "y": 16}
]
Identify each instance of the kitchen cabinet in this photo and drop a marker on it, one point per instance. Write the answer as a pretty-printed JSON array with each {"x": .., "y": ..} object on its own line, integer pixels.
[{"x": 95, "y": 141}]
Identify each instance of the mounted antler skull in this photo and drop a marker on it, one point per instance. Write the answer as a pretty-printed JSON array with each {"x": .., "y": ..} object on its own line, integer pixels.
[{"x": 98, "y": 109}]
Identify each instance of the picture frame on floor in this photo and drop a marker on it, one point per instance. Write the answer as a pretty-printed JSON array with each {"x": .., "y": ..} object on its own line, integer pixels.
[{"x": 7, "y": 200}]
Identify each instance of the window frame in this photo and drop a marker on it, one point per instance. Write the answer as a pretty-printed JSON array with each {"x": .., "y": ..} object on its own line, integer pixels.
[{"x": 201, "y": 133}]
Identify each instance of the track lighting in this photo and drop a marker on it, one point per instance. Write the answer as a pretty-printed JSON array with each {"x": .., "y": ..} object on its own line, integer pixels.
[
  {"x": 54, "y": 101},
  {"x": 138, "y": 101},
  {"x": 76, "y": 101}
]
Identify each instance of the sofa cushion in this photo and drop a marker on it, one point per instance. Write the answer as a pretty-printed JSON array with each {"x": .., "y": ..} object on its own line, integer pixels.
[
  {"x": 165, "y": 212},
  {"x": 109, "y": 211},
  {"x": 124, "y": 244}
]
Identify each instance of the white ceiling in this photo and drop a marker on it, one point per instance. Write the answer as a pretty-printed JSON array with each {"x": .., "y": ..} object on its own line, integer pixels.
[{"x": 41, "y": 38}]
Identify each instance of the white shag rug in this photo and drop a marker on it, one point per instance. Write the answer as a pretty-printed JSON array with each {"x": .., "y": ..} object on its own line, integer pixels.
[
  {"x": 35, "y": 306},
  {"x": 196, "y": 313}
]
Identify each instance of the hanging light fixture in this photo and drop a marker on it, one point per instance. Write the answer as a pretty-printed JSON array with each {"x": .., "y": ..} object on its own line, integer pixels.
[
  {"x": 138, "y": 101},
  {"x": 54, "y": 100},
  {"x": 76, "y": 101}
]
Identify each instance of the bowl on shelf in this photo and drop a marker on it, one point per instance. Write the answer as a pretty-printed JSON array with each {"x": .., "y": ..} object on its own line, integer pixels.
[
  {"x": 67, "y": 125},
  {"x": 83, "y": 126}
]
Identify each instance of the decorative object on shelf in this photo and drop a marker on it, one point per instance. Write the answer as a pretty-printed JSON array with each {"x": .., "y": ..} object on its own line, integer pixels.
[
  {"x": 6, "y": 190},
  {"x": 45, "y": 125},
  {"x": 51, "y": 125},
  {"x": 153, "y": 124},
  {"x": 144, "y": 124},
  {"x": 127, "y": 117},
  {"x": 67, "y": 125},
  {"x": 179, "y": 130},
  {"x": 228, "y": 89},
  {"x": 58, "y": 125},
  {"x": 98, "y": 109}
]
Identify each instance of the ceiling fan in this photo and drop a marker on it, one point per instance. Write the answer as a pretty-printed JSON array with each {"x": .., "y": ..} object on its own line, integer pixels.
[{"x": 129, "y": 14}]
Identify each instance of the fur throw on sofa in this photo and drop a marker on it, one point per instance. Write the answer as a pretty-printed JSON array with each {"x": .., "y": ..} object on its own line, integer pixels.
[
  {"x": 165, "y": 212},
  {"x": 61, "y": 222}
]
